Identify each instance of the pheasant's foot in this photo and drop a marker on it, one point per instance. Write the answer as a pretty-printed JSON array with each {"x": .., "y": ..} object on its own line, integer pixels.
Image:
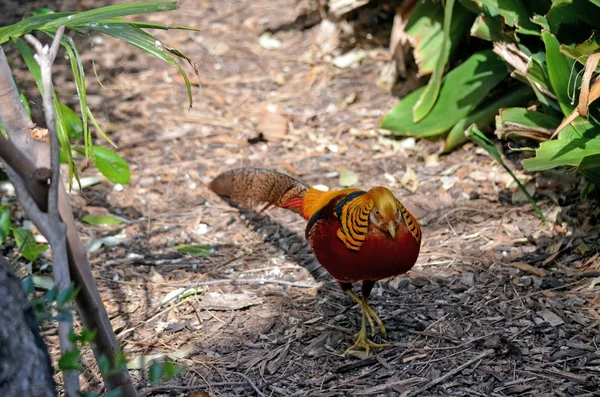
[
  {"x": 371, "y": 315},
  {"x": 362, "y": 341}
]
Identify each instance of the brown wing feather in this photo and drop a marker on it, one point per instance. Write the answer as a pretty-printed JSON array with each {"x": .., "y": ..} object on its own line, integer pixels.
[{"x": 252, "y": 186}]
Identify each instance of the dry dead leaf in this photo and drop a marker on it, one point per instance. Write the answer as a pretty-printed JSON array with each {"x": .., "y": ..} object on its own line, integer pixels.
[
  {"x": 40, "y": 134},
  {"x": 272, "y": 126},
  {"x": 156, "y": 277},
  {"x": 526, "y": 267},
  {"x": 224, "y": 302}
]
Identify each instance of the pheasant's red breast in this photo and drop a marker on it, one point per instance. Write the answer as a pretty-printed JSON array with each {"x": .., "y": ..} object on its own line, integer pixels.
[{"x": 352, "y": 249}]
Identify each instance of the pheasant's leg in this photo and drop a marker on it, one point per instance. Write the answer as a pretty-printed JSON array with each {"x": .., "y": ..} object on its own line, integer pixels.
[
  {"x": 367, "y": 286},
  {"x": 362, "y": 339},
  {"x": 365, "y": 310}
]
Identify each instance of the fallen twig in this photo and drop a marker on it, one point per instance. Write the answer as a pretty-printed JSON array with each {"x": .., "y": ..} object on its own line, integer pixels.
[
  {"x": 451, "y": 373},
  {"x": 258, "y": 392},
  {"x": 240, "y": 281},
  {"x": 148, "y": 391}
]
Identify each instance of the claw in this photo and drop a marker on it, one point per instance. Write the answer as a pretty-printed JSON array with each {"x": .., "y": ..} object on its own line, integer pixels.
[{"x": 368, "y": 314}]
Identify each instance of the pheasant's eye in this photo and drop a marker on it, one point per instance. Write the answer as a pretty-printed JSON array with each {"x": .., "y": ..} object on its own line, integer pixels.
[{"x": 377, "y": 212}]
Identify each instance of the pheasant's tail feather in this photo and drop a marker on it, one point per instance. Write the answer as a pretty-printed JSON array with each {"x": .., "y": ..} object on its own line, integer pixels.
[{"x": 253, "y": 186}]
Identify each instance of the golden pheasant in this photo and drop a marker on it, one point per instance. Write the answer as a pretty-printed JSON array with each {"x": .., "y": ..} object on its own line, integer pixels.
[{"x": 355, "y": 235}]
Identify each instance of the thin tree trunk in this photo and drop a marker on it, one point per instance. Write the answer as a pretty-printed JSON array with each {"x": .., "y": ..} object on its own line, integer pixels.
[
  {"x": 91, "y": 310},
  {"x": 25, "y": 368}
]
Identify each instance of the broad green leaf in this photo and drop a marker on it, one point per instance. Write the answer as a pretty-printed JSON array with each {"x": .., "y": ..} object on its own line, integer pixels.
[
  {"x": 522, "y": 122},
  {"x": 70, "y": 122},
  {"x": 150, "y": 44},
  {"x": 576, "y": 13},
  {"x": 582, "y": 51},
  {"x": 515, "y": 14},
  {"x": 567, "y": 151},
  {"x": 561, "y": 72},
  {"x": 489, "y": 28},
  {"x": 5, "y": 219},
  {"x": 27, "y": 245},
  {"x": 429, "y": 96},
  {"x": 479, "y": 137},
  {"x": 462, "y": 90},
  {"x": 590, "y": 168},
  {"x": 424, "y": 30},
  {"x": 70, "y": 20},
  {"x": 101, "y": 220},
  {"x": 69, "y": 360},
  {"x": 485, "y": 114},
  {"x": 195, "y": 250},
  {"x": 111, "y": 165}
]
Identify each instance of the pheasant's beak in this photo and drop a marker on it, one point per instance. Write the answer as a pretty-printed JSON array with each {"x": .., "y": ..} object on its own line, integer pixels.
[{"x": 392, "y": 229}]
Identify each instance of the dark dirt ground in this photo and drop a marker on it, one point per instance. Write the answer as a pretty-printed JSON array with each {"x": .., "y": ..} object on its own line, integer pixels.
[{"x": 471, "y": 299}]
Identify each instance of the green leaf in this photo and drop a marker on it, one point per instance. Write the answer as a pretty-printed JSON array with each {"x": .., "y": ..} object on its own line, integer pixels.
[
  {"x": 195, "y": 250},
  {"x": 142, "y": 40},
  {"x": 104, "y": 364},
  {"x": 473, "y": 79},
  {"x": 515, "y": 14},
  {"x": 155, "y": 372},
  {"x": 66, "y": 295},
  {"x": 582, "y": 51},
  {"x": 429, "y": 96},
  {"x": 101, "y": 220},
  {"x": 27, "y": 245},
  {"x": 480, "y": 138},
  {"x": 70, "y": 122},
  {"x": 424, "y": 30},
  {"x": 489, "y": 28},
  {"x": 485, "y": 114},
  {"x": 72, "y": 20},
  {"x": 28, "y": 285},
  {"x": 561, "y": 72},
  {"x": 576, "y": 13},
  {"x": 522, "y": 122},
  {"x": 5, "y": 219},
  {"x": 567, "y": 150},
  {"x": 590, "y": 168},
  {"x": 111, "y": 165},
  {"x": 69, "y": 360}
]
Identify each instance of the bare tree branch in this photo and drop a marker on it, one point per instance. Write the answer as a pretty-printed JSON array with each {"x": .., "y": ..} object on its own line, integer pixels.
[{"x": 50, "y": 223}]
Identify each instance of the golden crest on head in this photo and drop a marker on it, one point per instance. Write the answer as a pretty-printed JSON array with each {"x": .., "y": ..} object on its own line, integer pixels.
[{"x": 384, "y": 201}]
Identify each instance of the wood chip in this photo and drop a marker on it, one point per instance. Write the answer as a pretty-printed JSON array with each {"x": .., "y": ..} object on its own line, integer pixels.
[
  {"x": 551, "y": 318},
  {"x": 529, "y": 269}
]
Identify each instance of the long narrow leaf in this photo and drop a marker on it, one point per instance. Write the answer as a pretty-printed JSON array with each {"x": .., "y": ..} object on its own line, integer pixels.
[
  {"x": 142, "y": 40},
  {"x": 53, "y": 20},
  {"x": 479, "y": 137},
  {"x": 430, "y": 95}
]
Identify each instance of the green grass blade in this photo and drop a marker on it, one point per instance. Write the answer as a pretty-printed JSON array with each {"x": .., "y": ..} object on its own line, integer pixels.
[
  {"x": 430, "y": 95},
  {"x": 479, "y": 137},
  {"x": 99, "y": 129}
]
